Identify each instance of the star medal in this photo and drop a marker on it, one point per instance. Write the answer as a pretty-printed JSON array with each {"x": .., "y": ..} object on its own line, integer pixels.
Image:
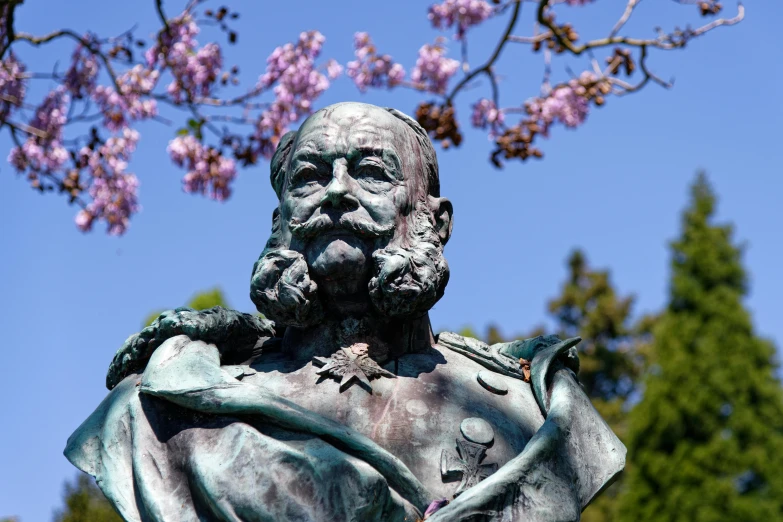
[{"x": 351, "y": 365}]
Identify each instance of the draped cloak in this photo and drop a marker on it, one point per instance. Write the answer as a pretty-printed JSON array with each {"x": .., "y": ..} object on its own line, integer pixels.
[{"x": 183, "y": 439}]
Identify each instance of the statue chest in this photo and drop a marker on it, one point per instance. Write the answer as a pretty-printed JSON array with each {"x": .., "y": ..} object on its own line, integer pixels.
[{"x": 450, "y": 420}]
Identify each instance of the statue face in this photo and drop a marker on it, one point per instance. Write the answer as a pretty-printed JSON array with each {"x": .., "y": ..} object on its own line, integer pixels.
[
  {"x": 360, "y": 228},
  {"x": 344, "y": 193}
]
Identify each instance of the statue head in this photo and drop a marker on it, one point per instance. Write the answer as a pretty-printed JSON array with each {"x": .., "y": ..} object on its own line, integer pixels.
[{"x": 360, "y": 227}]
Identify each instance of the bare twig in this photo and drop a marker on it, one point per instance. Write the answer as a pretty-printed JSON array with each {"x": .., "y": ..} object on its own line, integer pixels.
[
  {"x": 664, "y": 41},
  {"x": 627, "y": 88},
  {"x": 464, "y": 48},
  {"x": 530, "y": 39},
  {"x": 216, "y": 102},
  {"x": 87, "y": 44},
  {"x": 623, "y": 19},
  {"x": 487, "y": 67},
  {"x": 162, "y": 16},
  {"x": 27, "y": 129}
]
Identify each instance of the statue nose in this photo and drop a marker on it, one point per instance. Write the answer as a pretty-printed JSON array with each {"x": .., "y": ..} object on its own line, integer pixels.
[{"x": 338, "y": 195}]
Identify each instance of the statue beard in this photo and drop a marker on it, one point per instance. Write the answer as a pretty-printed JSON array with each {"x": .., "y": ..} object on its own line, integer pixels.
[{"x": 409, "y": 275}]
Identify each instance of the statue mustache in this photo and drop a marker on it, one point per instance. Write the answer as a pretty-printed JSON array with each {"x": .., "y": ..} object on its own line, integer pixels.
[{"x": 322, "y": 223}]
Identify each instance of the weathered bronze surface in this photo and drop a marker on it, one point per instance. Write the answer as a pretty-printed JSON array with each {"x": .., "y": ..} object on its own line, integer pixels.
[{"x": 346, "y": 407}]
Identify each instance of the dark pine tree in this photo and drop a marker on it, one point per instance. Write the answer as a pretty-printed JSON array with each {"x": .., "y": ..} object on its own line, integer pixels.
[
  {"x": 611, "y": 354},
  {"x": 611, "y": 351},
  {"x": 706, "y": 439},
  {"x": 84, "y": 502}
]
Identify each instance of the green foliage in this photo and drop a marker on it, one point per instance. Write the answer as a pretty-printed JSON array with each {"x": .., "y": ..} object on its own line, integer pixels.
[
  {"x": 467, "y": 331},
  {"x": 706, "y": 440},
  {"x": 207, "y": 299},
  {"x": 611, "y": 354},
  {"x": 200, "y": 301},
  {"x": 84, "y": 502}
]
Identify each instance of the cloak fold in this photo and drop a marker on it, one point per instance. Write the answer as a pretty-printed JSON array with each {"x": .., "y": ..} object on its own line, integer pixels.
[{"x": 186, "y": 441}]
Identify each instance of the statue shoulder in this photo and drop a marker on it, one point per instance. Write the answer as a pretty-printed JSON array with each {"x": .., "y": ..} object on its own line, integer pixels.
[
  {"x": 232, "y": 331},
  {"x": 510, "y": 358}
]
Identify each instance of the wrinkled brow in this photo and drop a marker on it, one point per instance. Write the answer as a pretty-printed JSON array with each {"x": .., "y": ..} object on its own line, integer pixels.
[
  {"x": 311, "y": 155},
  {"x": 387, "y": 155}
]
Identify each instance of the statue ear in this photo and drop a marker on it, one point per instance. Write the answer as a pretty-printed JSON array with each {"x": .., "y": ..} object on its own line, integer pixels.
[
  {"x": 280, "y": 161},
  {"x": 443, "y": 212}
]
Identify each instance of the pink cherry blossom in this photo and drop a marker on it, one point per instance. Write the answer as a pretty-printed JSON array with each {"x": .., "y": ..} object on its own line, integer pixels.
[
  {"x": 43, "y": 151},
  {"x": 115, "y": 199},
  {"x": 182, "y": 30},
  {"x": 130, "y": 104},
  {"x": 333, "y": 69},
  {"x": 12, "y": 85},
  {"x": 81, "y": 76},
  {"x": 567, "y": 104},
  {"x": 486, "y": 114},
  {"x": 371, "y": 69},
  {"x": 291, "y": 68},
  {"x": 208, "y": 170},
  {"x": 195, "y": 71},
  {"x": 433, "y": 70},
  {"x": 462, "y": 13},
  {"x": 114, "y": 191}
]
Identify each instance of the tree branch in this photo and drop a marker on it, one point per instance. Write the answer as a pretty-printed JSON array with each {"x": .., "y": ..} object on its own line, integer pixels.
[
  {"x": 665, "y": 41},
  {"x": 487, "y": 67},
  {"x": 623, "y": 19},
  {"x": 67, "y": 33}
]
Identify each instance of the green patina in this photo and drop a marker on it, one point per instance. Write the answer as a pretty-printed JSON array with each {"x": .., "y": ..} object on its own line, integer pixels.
[{"x": 220, "y": 415}]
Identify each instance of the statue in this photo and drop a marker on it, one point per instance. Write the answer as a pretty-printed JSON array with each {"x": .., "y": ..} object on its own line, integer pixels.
[{"x": 346, "y": 407}]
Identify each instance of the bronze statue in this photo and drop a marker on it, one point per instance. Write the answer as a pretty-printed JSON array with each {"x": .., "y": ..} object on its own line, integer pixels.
[{"x": 346, "y": 407}]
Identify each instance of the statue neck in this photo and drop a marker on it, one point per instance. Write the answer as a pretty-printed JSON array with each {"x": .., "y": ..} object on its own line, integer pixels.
[{"x": 385, "y": 338}]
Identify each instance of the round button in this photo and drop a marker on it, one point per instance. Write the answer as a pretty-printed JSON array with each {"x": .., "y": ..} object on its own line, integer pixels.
[
  {"x": 492, "y": 382},
  {"x": 477, "y": 430}
]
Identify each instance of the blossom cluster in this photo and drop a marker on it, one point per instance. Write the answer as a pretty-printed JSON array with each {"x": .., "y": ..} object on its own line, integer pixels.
[
  {"x": 82, "y": 75},
  {"x": 563, "y": 104},
  {"x": 462, "y": 13},
  {"x": 194, "y": 71},
  {"x": 294, "y": 79},
  {"x": 114, "y": 191},
  {"x": 130, "y": 103},
  {"x": 433, "y": 70},
  {"x": 371, "y": 69},
  {"x": 209, "y": 172},
  {"x": 298, "y": 83},
  {"x": 43, "y": 151},
  {"x": 12, "y": 85},
  {"x": 486, "y": 114},
  {"x": 568, "y": 104}
]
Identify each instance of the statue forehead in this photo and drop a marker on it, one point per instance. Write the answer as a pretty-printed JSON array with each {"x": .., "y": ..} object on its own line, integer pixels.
[{"x": 349, "y": 125}]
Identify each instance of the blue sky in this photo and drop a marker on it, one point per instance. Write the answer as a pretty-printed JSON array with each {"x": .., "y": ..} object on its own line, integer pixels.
[{"x": 615, "y": 188}]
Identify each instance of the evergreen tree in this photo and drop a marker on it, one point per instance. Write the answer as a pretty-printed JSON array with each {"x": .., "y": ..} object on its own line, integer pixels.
[
  {"x": 706, "y": 440},
  {"x": 611, "y": 354},
  {"x": 200, "y": 301},
  {"x": 84, "y": 502}
]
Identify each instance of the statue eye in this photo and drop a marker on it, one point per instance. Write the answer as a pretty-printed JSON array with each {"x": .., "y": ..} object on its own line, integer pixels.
[
  {"x": 372, "y": 171},
  {"x": 308, "y": 174}
]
